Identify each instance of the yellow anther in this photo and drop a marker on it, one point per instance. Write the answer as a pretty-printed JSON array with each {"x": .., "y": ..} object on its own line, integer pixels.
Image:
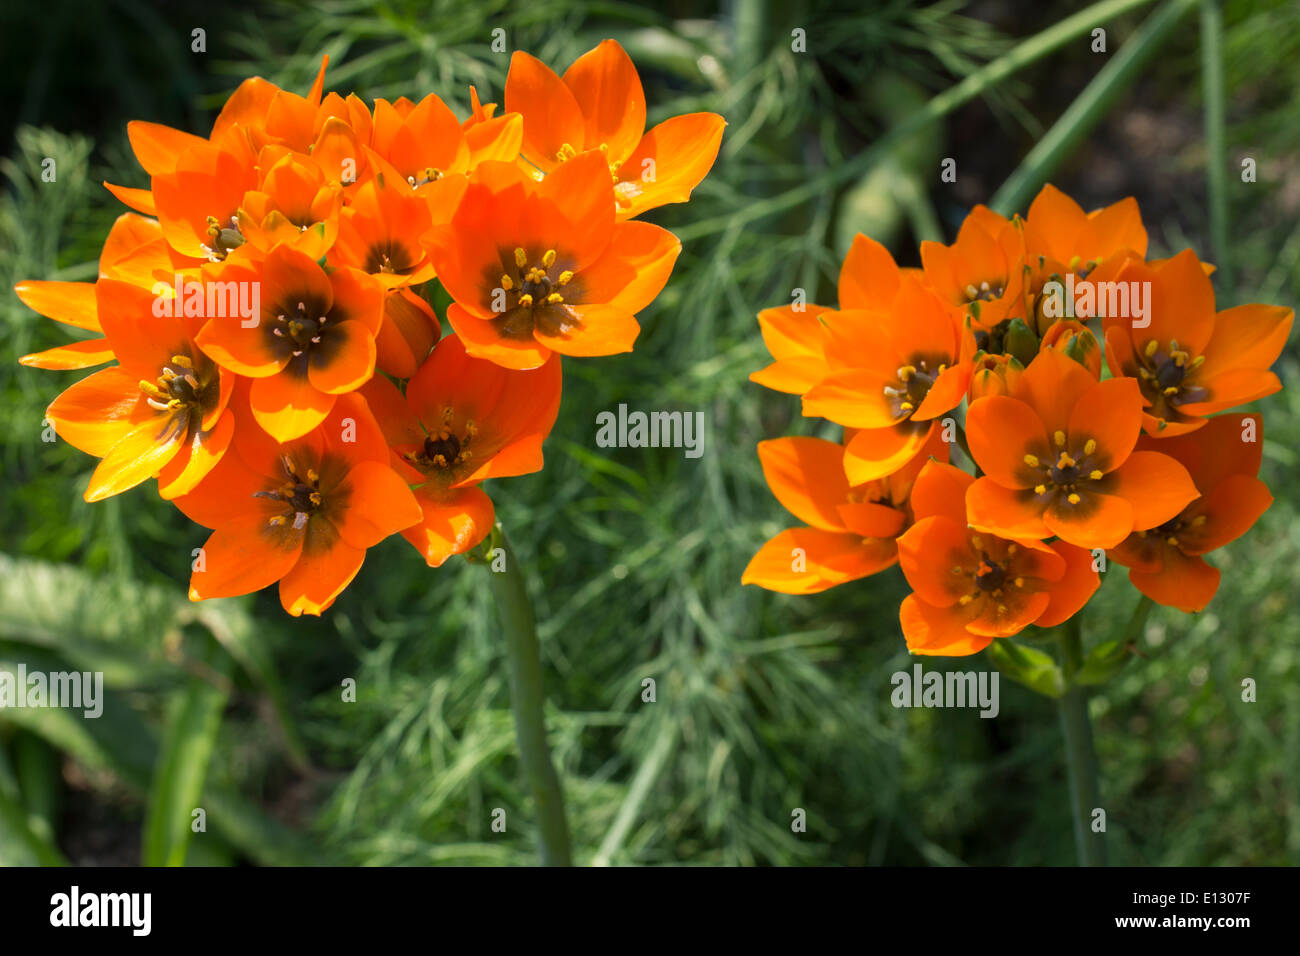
[
  {"x": 521, "y": 257},
  {"x": 526, "y": 300},
  {"x": 1059, "y": 438},
  {"x": 507, "y": 283},
  {"x": 566, "y": 152},
  {"x": 1040, "y": 489},
  {"x": 548, "y": 258},
  {"x": 314, "y": 497},
  {"x": 1073, "y": 498},
  {"x": 277, "y": 521},
  {"x": 1171, "y": 390},
  {"x": 1020, "y": 582},
  {"x": 555, "y": 298},
  {"x": 1089, "y": 446},
  {"x": 1011, "y": 549},
  {"x": 964, "y": 600},
  {"x": 565, "y": 278},
  {"x": 1198, "y": 521},
  {"x": 149, "y": 388},
  {"x": 1150, "y": 348},
  {"x": 1065, "y": 461},
  {"x": 905, "y": 372},
  {"x": 1031, "y": 461},
  {"x": 907, "y": 406},
  {"x": 1180, "y": 358},
  {"x": 1095, "y": 474},
  {"x": 1172, "y": 540},
  {"x": 312, "y": 476},
  {"x": 182, "y": 361},
  {"x": 1196, "y": 362}
]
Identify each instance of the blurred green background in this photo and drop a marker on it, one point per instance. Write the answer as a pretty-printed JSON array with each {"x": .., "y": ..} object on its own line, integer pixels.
[{"x": 765, "y": 703}]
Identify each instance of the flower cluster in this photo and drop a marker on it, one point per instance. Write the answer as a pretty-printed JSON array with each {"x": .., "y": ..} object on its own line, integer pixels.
[
  {"x": 271, "y": 291},
  {"x": 1071, "y": 466}
]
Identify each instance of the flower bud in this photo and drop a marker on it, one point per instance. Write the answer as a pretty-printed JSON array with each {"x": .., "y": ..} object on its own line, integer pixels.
[
  {"x": 994, "y": 375},
  {"x": 407, "y": 334},
  {"x": 1077, "y": 341}
]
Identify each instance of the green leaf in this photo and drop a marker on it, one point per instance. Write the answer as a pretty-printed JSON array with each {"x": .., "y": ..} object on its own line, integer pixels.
[
  {"x": 1028, "y": 666},
  {"x": 190, "y": 734}
]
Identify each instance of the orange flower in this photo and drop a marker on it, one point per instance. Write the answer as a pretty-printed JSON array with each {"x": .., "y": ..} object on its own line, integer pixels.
[
  {"x": 981, "y": 275},
  {"x": 911, "y": 366},
  {"x": 314, "y": 339},
  {"x": 1191, "y": 361},
  {"x": 198, "y": 201},
  {"x": 1166, "y": 563},
  {"x": 599, "y": 105},
  {"x": 382, "y": 227},
  {"x": 463, "y": 420},
  {"x": 292, "y": 206},
  {"x": 973, "y": 587},
  {"x": 1092, "y": 245},
  {"x": 1058, "y": 459},
  {"x": 423, "y": 141},
  {"x": 302, "y": 513},
  {"x": 851, "y": 528},
  {"x": 541, "y": 267},
  {"x": 161, "y": 412}
]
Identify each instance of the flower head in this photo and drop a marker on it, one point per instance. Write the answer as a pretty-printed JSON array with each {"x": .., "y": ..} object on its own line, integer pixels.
[
  {"x": 536, "y": 268},
  {"x": 463, "y": 420},
  {"x": 1058, "y": 459},
  {"x": 599, "y": 105},
  {"x": 301, "y": 513}
]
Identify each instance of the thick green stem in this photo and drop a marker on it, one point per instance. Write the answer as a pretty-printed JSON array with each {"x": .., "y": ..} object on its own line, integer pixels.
[
  {"x": 1080, "y": 757},
  {"x": 526, "y": 700}
]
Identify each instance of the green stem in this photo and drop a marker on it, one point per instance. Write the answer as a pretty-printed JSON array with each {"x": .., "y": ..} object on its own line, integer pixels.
[
  {"x": 1080, "y": 756},
  {"x": 1216, "y": 160},
  {"x": 526, "y": 700},
  {"x": 1089, "y": 108}
]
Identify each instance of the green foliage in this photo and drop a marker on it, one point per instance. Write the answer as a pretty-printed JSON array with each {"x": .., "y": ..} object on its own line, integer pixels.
[{"x": 764, "y": 703}]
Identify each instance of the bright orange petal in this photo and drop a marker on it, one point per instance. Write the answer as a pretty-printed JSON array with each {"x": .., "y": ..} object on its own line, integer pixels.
[
  {"x": 1157, "y": 487},
  {"x": 243, "y": 556},
  {"x": 808, "y": 560},
  {"x": 451, "y": 524}
]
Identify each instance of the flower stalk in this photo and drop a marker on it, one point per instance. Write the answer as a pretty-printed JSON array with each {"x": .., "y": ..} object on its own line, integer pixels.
[
  {"x": 519, "y": 627},
  {"x": 1080, "y": 755}
]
